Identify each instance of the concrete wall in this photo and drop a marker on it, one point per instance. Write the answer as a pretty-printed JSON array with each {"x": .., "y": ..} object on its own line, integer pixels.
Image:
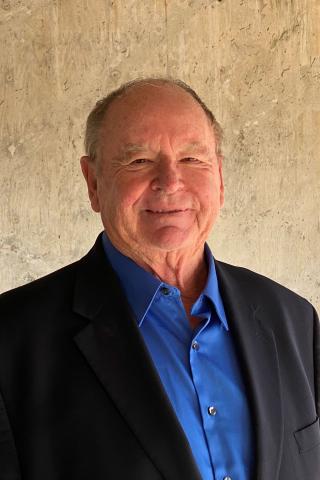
[{"x": 255, "y": 62}]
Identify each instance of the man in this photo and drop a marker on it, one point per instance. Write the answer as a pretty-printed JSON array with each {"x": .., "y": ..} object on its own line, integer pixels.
[{"x": 147, "y": 359}]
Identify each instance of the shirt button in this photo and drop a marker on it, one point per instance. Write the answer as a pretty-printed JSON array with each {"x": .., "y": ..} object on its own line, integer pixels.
[
  {"x": 195, "y": 346},
  {"x": 164, "y": 290},
  {"x": 213, "y": 411},
  {"x": 227, "y": 478}
]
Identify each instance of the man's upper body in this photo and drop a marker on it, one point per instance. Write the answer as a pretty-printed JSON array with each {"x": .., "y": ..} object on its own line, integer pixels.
[
  {"x": 146, "y": 359},
  {"x": 206, "y": 390}
]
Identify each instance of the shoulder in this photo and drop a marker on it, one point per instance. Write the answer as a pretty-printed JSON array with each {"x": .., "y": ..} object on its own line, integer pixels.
[
  {"x": 53, "y": 288},
  {"x": 50, "y": 300},
  {"x": 35, "y": 310},
  {"x": 42, "y": 290},
  {"x": 261, "y": 289}
]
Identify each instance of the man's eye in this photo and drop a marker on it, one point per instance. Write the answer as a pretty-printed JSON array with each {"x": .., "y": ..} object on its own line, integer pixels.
[
  {"x": 190, "y": 160},
  {"x": 139, "y": 161}
]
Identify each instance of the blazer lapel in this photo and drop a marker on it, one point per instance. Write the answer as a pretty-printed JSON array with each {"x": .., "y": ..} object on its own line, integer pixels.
[
  {"x": 258, "y": 356},
  {"x": 113, "y": 347}
]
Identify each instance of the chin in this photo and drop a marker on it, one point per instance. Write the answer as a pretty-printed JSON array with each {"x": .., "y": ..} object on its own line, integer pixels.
[{"x": 168, "y": 239}]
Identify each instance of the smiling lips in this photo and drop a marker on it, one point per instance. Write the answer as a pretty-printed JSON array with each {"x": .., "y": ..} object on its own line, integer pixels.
[{"x": 167, "y": 212}]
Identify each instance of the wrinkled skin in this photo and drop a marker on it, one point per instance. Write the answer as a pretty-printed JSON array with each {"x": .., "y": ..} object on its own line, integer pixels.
[{"x": 158, "y": 183}]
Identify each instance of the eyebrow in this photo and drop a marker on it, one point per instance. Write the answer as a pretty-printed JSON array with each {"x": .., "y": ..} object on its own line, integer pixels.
[
  {"x": 194, "y": 147},
  {"x": 134, "y": 147},
  {"x": 131, "y": 148}
]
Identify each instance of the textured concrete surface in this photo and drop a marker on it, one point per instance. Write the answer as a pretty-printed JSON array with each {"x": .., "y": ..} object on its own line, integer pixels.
[{"x": 255, "y": 62}]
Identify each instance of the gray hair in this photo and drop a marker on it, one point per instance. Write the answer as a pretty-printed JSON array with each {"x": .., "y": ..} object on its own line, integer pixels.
[{"x": 97, "y": 115}]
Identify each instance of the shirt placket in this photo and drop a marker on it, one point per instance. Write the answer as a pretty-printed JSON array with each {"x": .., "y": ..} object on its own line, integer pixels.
[{"x": 210, "y": 403}]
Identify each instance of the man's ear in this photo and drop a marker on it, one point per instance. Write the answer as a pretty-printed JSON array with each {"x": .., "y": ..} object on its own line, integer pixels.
[
  {"x": 220, "y": 159},
  {"x": 89, "y": 170}
]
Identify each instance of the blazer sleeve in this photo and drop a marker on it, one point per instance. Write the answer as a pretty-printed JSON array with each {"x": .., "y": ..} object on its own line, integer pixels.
[
  {"x": 9, "y": 466},
  {"x": 316, "y": 346}
]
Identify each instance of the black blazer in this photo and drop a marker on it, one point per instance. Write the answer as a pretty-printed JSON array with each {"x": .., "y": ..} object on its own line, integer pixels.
[{"x": 81, "y": 400}]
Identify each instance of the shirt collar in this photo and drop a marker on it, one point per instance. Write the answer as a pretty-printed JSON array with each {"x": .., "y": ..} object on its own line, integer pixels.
[
  {"x": 141, "y": 286},
  {"x": 211, "y": 290}
]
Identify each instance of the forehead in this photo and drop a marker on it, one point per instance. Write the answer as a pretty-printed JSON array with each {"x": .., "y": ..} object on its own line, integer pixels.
[{"x": 155, "y": 110}]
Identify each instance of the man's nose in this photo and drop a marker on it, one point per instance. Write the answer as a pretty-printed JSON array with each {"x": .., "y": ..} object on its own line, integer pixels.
[{"x": 167, "y": 177}]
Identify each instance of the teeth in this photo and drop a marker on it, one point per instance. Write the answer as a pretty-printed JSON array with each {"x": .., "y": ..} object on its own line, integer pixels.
[{"x": 164, "y": 211}]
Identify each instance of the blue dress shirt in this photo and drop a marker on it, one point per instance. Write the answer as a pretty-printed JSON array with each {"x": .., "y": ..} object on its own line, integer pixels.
[{"x": 198, "y": 367}]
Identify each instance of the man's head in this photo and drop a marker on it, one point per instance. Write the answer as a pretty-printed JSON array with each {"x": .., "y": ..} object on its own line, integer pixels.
[
  {"x": 153, "y": 167},
  {"x": 97, "y": 115}
]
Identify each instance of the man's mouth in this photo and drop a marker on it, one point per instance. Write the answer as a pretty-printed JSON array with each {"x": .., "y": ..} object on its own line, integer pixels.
[{"x": 166, "y": 212}]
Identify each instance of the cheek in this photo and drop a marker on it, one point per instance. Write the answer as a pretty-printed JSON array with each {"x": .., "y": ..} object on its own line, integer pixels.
[
  {"x": 128, "y": 193},
  {"x": 209, "y": 197},
  {"x": 206, "y": 189}
]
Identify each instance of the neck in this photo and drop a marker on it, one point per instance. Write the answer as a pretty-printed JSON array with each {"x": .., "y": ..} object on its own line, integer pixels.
[{"x": 186, "y": 269}]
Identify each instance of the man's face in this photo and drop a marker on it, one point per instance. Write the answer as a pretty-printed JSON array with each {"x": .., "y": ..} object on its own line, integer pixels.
[{"x": 158, "y": 185}]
